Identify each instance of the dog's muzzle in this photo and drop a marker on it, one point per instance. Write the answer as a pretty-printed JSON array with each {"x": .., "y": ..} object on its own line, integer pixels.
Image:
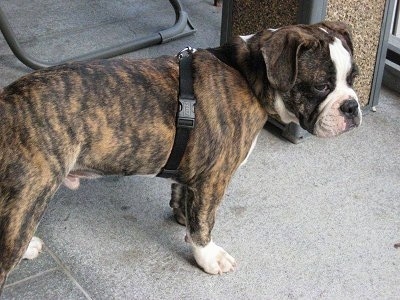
[{"x": 338, "y": 118}]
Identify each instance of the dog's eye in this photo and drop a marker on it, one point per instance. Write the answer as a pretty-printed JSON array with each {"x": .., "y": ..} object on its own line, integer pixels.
[
  {"x": 354, "y": 73},
  {"x": 322, "y": 88},
  {"x": 351, "y": 77}
]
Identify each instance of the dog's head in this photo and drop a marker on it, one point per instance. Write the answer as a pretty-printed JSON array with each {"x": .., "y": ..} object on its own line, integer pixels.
[{"x": 311, "y": 71}]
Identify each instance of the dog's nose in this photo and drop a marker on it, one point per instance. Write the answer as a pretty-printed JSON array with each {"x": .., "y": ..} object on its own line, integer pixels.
[{"x": 350, "y": 108}]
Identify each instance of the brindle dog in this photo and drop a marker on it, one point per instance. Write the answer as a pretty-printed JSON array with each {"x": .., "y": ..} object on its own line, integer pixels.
[{"x": 118, "y": 117}]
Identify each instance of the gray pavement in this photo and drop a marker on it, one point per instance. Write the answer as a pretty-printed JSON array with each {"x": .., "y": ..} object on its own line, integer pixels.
[{"x": 314, "y": 220}]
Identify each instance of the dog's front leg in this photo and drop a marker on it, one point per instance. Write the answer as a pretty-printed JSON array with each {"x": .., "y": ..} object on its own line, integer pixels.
[{"x": 201, "y": 204}]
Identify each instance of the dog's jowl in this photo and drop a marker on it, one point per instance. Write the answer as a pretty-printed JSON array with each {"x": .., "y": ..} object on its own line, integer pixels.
[{"x": 90, "y": 119}]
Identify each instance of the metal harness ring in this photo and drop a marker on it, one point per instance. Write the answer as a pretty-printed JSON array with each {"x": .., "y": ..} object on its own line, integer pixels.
[{"x": 186, "y": 51}]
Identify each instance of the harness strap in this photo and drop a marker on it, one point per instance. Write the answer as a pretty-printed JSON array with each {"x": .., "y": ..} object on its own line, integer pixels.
[{"x": 185, "y": 117}]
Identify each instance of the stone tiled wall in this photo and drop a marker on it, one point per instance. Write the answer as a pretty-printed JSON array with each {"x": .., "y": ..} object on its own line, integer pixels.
[
  {"x": 363, "y": 16},
  {"x": 250, "y": 16}
]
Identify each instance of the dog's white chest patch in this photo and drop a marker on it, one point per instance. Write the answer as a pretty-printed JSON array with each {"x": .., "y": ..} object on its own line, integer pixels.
[{"x": 285, "y": 115}]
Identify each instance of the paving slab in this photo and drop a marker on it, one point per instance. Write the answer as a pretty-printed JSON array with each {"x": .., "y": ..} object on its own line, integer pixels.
[{"x": 50, "y": 285}]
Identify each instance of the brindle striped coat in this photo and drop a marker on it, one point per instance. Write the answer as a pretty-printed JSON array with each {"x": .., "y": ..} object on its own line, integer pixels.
[{"x": 118, "y": 117}]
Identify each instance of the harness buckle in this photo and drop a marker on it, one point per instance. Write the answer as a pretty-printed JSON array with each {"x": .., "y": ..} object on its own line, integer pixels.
[{"x": 186, "y": 113}]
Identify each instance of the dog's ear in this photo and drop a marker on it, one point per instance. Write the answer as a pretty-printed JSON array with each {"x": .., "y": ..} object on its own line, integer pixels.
[
  {"x": 281, "y": 52},
  {"x": 343, "y": 30}
]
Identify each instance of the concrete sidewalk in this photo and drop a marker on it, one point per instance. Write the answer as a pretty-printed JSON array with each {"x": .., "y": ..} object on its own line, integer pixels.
[{"x": 314, "y": 220}]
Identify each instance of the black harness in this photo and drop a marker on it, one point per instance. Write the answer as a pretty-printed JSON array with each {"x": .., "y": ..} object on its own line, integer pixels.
[{"x": 185, "y": 119}]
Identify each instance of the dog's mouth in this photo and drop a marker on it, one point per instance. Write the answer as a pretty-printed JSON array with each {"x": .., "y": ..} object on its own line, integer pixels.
[
  {"x": 352, "y": 123},
  {"x": 335, "y": 124}
]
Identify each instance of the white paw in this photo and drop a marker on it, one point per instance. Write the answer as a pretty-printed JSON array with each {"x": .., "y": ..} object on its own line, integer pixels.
[
  {"x": 213, "y": 259},
  {"x": 34, "y": 248},
  {"x": 71, "y": 182}
]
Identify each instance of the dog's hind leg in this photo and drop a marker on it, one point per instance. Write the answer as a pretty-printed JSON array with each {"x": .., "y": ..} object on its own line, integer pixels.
[{"x": 22, "y": 204}]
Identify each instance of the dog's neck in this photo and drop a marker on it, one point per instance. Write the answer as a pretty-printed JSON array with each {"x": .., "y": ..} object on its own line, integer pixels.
[{"x": 245, "y": 56}]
